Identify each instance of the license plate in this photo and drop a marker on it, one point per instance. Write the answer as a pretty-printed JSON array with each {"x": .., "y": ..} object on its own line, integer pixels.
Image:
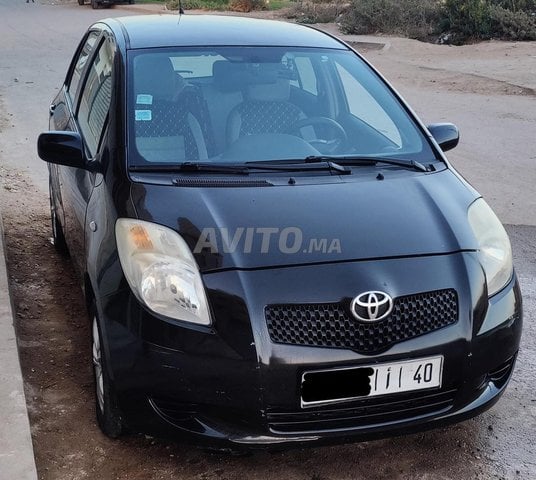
[{"x": 341, "y": 385}]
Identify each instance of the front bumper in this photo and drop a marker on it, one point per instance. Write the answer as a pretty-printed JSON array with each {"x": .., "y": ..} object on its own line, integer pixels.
[
  {"x": 332, "y": 431},
  {"x": 230, "y": 384}
]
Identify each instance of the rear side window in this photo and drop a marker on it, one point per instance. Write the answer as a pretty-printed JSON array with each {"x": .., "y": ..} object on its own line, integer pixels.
[
  {"x": 81, "y": 61},
  {"x": 96, "y": 96},
  {"x": 306, "y": 73},
  {"x": 190, "y": 66}
]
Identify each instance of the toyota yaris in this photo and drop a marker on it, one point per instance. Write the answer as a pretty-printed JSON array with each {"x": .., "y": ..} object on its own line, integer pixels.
[{"x": 273, "y": 248}]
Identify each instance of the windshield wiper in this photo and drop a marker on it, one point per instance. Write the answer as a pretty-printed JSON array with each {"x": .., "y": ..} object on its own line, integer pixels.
[
  {"x": 192, "y": 167},
  {"x": 300, "y": 165},
  {"x": 245, "y": 169},
  {"x": 364, "y": 160}
]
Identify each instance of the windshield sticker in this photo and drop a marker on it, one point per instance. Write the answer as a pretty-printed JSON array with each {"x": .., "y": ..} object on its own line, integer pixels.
[
  {"x": 144, "y": 99},
  {"x": 144, "y": 115}
]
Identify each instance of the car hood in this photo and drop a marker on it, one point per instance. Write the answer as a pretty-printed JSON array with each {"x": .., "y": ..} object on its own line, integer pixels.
[{"x": 337, "y": 219}]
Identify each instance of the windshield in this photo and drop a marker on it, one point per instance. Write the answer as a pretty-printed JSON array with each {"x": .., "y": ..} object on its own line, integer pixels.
[{"x": 247, "y": 104}]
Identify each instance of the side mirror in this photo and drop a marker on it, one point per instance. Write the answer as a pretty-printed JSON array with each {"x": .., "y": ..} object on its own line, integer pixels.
[
  {"x": 446, "y": 135},
  {"x": 62, "y": 148}
]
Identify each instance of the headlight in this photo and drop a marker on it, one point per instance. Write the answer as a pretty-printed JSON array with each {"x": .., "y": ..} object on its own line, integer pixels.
[
  {"x": 495, "y": 252},
  {"x": 161, "y": 270}
]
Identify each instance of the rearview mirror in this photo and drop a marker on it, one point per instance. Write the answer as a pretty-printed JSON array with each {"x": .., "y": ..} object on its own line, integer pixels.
[
  {"x": 62, "y": 148},
  {"x": 446, "y": 135}
]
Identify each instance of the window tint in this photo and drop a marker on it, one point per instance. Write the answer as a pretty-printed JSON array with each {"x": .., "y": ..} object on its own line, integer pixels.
[
  {"x": 81, "y": 62},
  {"x": 96, "y": 96}
]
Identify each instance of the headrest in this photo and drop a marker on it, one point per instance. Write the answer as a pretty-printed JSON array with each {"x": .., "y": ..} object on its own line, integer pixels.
[
  {"x": 154, "y": 75},
  {"x": 267, "y": 84},
  {"x": 262, "y": 81},
  {"x": 279, "y": 91},
  {"x": 228, "y": 76}
]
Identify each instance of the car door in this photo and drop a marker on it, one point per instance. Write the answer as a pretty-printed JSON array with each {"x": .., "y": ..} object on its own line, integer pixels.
[
  {"x": 62, "y": 112},
  {"x": 89, "y": 114}
]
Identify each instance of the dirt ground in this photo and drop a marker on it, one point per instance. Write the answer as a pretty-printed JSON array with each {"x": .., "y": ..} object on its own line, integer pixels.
[{"x": 488, "y": 89}]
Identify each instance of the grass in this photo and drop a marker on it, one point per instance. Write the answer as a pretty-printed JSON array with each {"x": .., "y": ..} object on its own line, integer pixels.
[
  {"x": 150, "y": 1},
  {"x": 279, "y": 4}
]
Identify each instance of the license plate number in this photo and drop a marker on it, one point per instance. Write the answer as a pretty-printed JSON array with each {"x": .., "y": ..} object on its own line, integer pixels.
[{"x": 341, "y": 385}]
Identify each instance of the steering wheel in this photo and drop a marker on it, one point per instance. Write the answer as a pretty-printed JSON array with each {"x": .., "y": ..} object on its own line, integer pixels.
[{"x": 323, "y": 145}]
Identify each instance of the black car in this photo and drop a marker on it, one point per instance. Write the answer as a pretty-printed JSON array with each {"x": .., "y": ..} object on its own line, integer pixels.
[{"x": 273, "y": 248}]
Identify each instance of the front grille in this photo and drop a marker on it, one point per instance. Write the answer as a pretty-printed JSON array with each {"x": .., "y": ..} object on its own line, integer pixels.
[
  {"x": 219, "y": 182},
  {"x": 370, "y": 412},
  {"x": 332, "y": 324},
  {"x": 172, "y": 411}
]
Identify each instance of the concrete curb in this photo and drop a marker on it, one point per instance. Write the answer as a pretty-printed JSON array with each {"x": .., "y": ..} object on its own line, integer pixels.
[
  {"x": 16, "y": 450},
  {"x": 365, "y": 41}
]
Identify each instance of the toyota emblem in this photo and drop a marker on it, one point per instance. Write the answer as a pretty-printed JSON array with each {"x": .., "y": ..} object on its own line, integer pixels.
[{"x": 371, "y": 306}]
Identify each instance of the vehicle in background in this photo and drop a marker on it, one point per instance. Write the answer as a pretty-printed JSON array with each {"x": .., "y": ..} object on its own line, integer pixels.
[{"x": 104, "y": 3}]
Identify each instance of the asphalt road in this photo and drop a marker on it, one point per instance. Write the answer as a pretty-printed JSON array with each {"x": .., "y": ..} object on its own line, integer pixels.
[{"x": 497, "y": 155}]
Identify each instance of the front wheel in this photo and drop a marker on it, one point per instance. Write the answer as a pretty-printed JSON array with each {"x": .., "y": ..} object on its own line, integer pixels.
[
  {"x": 94, "y": 4},
  {"x": 81, "y": 2},
  {"x": 108, "y": 413}
]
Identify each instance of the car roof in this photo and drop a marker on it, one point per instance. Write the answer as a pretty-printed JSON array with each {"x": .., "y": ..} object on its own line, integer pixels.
[{"x": 150, "y": 31}]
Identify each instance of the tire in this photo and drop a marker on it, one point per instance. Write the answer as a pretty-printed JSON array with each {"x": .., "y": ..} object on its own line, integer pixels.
[
  {"x": 108, "y": 414},
  {"x": 81, "y": 2},
  {"x": 57, "y": 231},
  {"x": 131, "y": 2},
  {"x": 94, "y": 4}
]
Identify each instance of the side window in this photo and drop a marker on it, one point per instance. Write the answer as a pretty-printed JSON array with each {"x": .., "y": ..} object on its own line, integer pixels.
[
  {"x": 305, "y": 78},
  {"x": 96, "y": 96},
  {"x": 307, "y": 74},
  {"x": 81, "y": 62},
  {"x": 195, "y": 66}
]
